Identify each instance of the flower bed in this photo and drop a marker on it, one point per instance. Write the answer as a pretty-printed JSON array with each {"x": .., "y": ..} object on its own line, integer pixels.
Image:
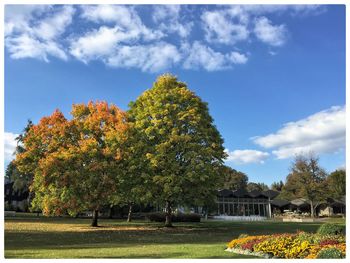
[{"x": 299, "y": 245}]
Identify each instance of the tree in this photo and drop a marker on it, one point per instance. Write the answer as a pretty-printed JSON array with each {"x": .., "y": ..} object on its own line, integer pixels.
[
  {"x": 257, "y": 187},
  {"x": 182, "y": 146},
  {"x": 277, "y": 186},
  {"x": 336, "y": 183},
  {"x": 306, "y": 180},
  {"x": 233, "y": 179},
  {"x": 21, "y": 181},
  {"x": 74, "y": 165}
]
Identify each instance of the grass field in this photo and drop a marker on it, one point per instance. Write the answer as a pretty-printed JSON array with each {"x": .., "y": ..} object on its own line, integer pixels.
[{"x": 32, "y": 237}]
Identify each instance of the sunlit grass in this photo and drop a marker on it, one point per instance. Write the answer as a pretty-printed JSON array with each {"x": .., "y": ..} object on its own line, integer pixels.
[{"x": 40, "y": 237}]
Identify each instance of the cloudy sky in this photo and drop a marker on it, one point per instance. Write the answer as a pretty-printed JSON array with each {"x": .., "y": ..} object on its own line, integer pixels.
[{"x": 274, "y": 76}]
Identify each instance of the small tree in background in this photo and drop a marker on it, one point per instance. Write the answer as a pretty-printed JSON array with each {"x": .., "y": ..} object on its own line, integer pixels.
[
  {"x": 336, "y": 183},
  {"x": 181, "y": 144},
  {"x": 257, "y": 187},
  {"x": 233, "y": 179},
  {"x": 306, "y": 180},
  {"x": 21, "y": 181},
  {"x": 277, "y": 186}
]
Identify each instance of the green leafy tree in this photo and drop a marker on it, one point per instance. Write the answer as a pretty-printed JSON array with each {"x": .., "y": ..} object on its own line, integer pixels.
[
  {"x": 21, "y": 181},
  {"x": 233, "y": 179},
  {"x": 133, "y": 184},
  {"x": 277, "y": 186},
  {"x": 306, "y": 180},
  {"x": 336, "y": 183},
  {"x": 74, "y": 164},
  {"x": 182, "y": 147},
  {"x": 257, "y": 187}
]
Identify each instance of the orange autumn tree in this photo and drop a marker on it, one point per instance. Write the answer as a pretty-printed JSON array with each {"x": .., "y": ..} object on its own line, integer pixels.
[{"x": 76, "y": 163}]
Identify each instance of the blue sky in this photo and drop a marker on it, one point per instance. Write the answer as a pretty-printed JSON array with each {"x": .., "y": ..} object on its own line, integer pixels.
[{"x": 274, "y": 76}]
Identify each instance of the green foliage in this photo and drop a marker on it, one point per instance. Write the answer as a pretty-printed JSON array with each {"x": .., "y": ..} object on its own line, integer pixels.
[
  {"x": 336, "y": 183},
  {"x": 277, "y": 186},
  {"x": 179, "y": 143},
  {"x": 257, "y": 187},
  {"x": 330, "y": 253},
  {"x": 160, "y": 217},
  {"x": 306, "y": 180},
  {"x": 243, "y": 235},
  {"x": 8, "y": 206},
  {"x": 331, "y": 229},
  {"x": 233, "y": 179},
  {"x": 21, "y": 180},
  {"x": 75, "y": 162}
]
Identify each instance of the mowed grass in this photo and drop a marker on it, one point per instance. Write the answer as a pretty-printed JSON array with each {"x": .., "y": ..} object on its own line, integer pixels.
[{"x": 40, "y": 237}]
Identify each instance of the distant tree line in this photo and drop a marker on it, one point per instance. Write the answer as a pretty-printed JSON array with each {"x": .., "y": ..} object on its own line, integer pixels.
[{"x": 307, "y": 179}]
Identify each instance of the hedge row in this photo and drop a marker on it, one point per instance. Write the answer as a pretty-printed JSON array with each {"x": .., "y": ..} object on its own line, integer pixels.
[{"x": 160, "y": 217}]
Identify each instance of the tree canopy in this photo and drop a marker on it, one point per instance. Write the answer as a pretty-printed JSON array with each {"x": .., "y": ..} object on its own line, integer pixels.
[
  {"x": 336, "y": 183},
  {"x": 306, "y": 180},
  {"x": 277, "y": 186},
  {"x": 257, "y": 187},
  {"x": 233, "y": 179},
  {"x": 75, "y": 162},
  {"x": 183, "y": 148}
]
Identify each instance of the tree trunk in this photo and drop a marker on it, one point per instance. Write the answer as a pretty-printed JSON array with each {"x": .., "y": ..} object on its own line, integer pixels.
[
  {"x": 168, "y": 215},
  {"x": 312, "y": 209},
  {"x": 129, "y": 213},
  {"x": 94, "y": 218}
]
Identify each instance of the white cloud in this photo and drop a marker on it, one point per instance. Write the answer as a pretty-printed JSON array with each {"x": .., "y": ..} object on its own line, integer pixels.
[
  {"x": 10, "y": 144},
  {"x": 100, "y": 43},
  {"x": 322, "y": 132},
  {"x": 246, "y": 156},
  {"x": 167, "y": 17},
  {"x": 29, "y": 37},
  {"x": 18, "y": 17},
  {"x": 126, "y": 18},
  {"x": 274, "y": 35},
  {"x": 151, "y": 58},
  {"x": 199, "y": 56},
  {"x": 25, "y": 46},
  {"x": 236, "y": 23},
  {"x": 238, "y": 58},
  {"x": 279, "y": 9},
  {"x": 118, "y": 36},
  {"x": 220, "y": 28}
]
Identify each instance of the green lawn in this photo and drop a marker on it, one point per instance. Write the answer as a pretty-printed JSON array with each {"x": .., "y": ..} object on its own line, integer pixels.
[{"x": 31, "y": 237}]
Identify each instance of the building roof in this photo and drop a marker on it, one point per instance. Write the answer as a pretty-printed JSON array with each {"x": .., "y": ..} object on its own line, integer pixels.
[
  {"x": 299, "y": 202},
  {"x": 336, "y": 202},
  {"x": 271, "y": 193},
  {"x": 255, "y": 193},
  {"x": 279, "y": 202},
  {"x": 240, "y": 193}
]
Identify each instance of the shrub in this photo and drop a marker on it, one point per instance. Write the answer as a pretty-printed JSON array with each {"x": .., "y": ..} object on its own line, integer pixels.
[
  {"x": 186, "y": 218},
  {"x": 330, "y": 253},
  {"x": 246, "y": 242},
  {"x": 156, "y": 217},
  {"x": 329, "y": 242},
  {"x": 331, "y": 229},
  {"x": 300, "y": 245},
  {"x": 160, "y": 217},
  {"x": 243, "y": 235}
]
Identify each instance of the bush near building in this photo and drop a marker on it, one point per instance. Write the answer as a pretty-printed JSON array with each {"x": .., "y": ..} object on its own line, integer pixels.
[{"x": 160, "y": 217}]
